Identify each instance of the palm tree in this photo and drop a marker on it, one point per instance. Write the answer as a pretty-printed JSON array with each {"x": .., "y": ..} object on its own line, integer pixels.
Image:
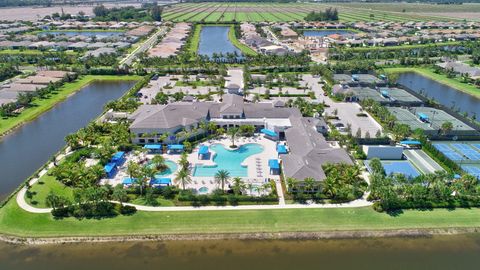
[
  {"x": 233, "y": 132},
  {"x": 309, "y": 183},
  {"x": 291, "y": 183},
  {"x": 221, "y": 177},
  {"x": 183, "y": 178},
  {"x": 238, "y": 185},
  {"x": 159, "y": 162},
  {"x": 119, "y": 194},
  {"x": 133, "y": 169}
]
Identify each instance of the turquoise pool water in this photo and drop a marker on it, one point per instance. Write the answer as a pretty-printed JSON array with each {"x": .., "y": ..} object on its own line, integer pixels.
[
  {"x": 172, "y": 168},
  {"x": 230, "y": 160}
]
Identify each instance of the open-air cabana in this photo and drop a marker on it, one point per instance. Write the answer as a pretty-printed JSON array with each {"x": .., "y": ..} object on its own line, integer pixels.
[
  {"x": 160, "y": 182},
  {"x": 127, "y": 182},
  {"x": 175, "y": 148},
  {"x": 110, "y": 169},
  {"x": 282, "y": 149},
  {"x": 203, "y": 152},
  {"x": 153, "y": 148},
  {"x": 274, "y": 166},
  {"x": 270, "y": 134},
  {"x": 118, "y": 158}
]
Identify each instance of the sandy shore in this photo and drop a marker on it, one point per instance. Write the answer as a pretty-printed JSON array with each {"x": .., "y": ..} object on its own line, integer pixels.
[{"x": 240, "y": 236}]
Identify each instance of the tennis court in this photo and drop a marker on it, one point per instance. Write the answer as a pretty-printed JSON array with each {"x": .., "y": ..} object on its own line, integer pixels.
[
  {"x": 472, "y": 169},
  {"x": 460, "y": 151},
  {"x": 400, "y": 167},
  {"x": 397, "y": 167}
]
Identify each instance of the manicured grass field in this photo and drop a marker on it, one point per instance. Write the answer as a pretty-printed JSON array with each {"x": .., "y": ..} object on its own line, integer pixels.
[
  {"x": 14, "y": 221},
  {"x": 42, "y": 105},
  {"x": 467, "y": 88},
  {"x": 41, "y": 189},
  {"x": 282, "y": 12}
]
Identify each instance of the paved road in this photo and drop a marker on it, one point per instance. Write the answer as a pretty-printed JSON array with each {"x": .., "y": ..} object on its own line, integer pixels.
[{"x": 147, "y": 44}]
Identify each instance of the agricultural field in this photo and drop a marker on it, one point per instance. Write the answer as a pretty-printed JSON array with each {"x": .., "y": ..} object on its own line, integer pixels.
[{"x": 286, "y": 12}]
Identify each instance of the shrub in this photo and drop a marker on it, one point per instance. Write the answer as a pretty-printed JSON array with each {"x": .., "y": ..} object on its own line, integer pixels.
[{"x": 127, "y": 210}]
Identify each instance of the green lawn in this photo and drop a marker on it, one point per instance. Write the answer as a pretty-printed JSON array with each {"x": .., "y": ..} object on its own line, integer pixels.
[
  {"x": 14, "y": 221},
  {"x": 42, "y": 105},
  {"x": 452, "y": 82},
  {"x": 242, "y": 47},
  {"x": 41, "y": 189}
]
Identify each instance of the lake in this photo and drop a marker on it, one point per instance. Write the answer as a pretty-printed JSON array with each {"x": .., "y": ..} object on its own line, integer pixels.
[
  {"x": 214, "y": 39},
  {"x": 326, "y": 32},
  {"x": 442, "y": 93},
  {"x": 100, "y": 34},
  {"x": 438, "y": 252},
  {"x": 25, "y": 150}
]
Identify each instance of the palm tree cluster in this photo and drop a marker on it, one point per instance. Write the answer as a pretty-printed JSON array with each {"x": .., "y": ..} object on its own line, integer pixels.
[
  {"x": 399, "y": 131},
  {"x": 439, "y": 189},
  {"x": 183, "y": 175},
  {"x": 342, "y": 183}
]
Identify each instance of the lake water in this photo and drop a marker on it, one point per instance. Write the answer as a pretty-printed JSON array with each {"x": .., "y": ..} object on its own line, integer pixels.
[
  {"x": 32, "y": 145},
  {"x": 442, "y": 93},
  {"x": 323, "y": 33},
  {"x": 214, "y": 39},
  {"x": 439, "y": 253},
  {"x": 84, "y": 33}
]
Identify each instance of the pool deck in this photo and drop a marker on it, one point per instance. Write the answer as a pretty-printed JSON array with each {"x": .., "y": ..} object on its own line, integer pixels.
[
  {"x": 269, "y": 152},
  {"x": 258, "y": 172}
]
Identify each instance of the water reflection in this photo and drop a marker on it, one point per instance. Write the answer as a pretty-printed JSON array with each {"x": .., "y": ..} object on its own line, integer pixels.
[
  {"x": 443, "y": 94},
  {"x": 446, "y": 252}
]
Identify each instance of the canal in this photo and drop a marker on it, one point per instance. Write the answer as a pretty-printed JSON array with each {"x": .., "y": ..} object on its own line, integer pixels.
[
  {"x": 25, "y": 150},
  {"x": 439, "y": 252},
  {"x": 443, "y": 94},
  {"x": 214, "y": 39}
]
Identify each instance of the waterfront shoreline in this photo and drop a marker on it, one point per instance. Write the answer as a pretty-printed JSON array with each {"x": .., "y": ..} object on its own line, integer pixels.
[
  {"x": 82, "y": 83},
  {"x": 439, "y": 78},
  {"x": 318, "y": 235}
]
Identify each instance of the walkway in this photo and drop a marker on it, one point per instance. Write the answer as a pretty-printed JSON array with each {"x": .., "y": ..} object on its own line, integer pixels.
[
  {"x": 362, "y": 202},
  {"x": 147, "y": 44}
]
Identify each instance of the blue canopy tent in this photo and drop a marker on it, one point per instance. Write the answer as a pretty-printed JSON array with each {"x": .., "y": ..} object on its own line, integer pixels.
[
  {"x": 423, "y": 117},
  {"x": 203, "y": 152},
  {"x": 118, "y": 158},
  {"x": 410, "y": 142},
  {"x": 385, "y": 93},
  {"x": 160, "y": 182},
  {"x": 269, "y": 133},
  {"x": 282, "y": 149},
  {"x": 153, "y": 148},
  {"x": 128, "y": 181},
  {"x": 274, "y": 166},
  {"x": 176, "y": 148},
  {"x": 110, "y": 169}
]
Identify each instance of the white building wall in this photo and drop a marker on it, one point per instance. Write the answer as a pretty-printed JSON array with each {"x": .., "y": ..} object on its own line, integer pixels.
[{"x": 383, "y": 152}]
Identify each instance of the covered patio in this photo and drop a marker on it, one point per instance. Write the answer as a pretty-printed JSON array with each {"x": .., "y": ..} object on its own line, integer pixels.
[
  {"x": 153, "y": 148},
  {"x": 175, "y": 148}
]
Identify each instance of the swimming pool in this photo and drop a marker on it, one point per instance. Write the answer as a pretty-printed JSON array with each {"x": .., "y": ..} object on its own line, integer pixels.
[
  {"x": 230, "y": 160},
  {"x": 172, "y": 168}
]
